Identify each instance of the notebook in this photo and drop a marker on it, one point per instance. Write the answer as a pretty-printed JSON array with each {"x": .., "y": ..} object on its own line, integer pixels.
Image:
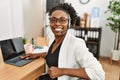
[{"x": 12, "y": 49}]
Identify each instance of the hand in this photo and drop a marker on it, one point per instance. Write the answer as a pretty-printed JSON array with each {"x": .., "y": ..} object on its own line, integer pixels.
[
  {"x": 55, "y": 72},
  {"x": 29, "y": 56}
]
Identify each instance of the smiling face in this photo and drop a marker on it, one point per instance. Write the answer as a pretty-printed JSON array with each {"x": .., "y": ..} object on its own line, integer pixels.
[{"x": 59, "y": 22}]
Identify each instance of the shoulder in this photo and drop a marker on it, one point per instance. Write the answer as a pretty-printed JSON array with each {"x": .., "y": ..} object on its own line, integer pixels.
[
  {"x": 77, "y": 40},
  {"x": 73, "y": 40}
]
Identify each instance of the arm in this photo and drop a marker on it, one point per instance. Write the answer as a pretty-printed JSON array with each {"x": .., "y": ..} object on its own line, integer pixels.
[
  {"x": 92, "y": 66},
  {"x": 76, "y": 73},
  {"x": 32, "y": 55},
  {"x": 56, "y": 72}
]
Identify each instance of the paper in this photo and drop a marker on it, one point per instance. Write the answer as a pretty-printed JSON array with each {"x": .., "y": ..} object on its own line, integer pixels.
[{"x": 38, "y": 50}]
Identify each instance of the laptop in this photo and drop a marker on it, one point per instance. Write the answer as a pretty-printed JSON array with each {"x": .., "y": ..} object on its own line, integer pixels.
[{"x": 12, "y": 49}]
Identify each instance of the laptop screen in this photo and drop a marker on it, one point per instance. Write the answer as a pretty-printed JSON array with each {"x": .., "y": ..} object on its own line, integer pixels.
[
  {"x": 18, "y": 45},
  {"x": 7, "y": 49}
]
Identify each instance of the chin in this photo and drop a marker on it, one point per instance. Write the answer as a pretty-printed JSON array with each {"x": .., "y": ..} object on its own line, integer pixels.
[{"x": 60, "y": 34}]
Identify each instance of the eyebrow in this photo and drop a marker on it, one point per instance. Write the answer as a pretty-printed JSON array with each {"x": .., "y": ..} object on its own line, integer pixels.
[{"x": 59, "y": 18}]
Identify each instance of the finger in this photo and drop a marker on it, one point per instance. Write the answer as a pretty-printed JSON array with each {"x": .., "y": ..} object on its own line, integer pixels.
[
  {"x": 51, "y": 76},
  {"x": 23, "y": 57},
  {"x": 29, "y": 57},
  {"x": 50, "y": 73}
]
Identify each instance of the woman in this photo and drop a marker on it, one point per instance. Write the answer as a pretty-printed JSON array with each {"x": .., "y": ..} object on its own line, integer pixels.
[{"x": 68, "y": 57}]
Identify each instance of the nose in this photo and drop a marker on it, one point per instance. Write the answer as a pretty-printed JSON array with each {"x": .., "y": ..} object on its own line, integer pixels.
[{"x": 57, "y": 22}]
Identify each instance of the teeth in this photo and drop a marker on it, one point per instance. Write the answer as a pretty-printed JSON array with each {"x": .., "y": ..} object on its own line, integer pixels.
[{"x": 58, "y": 29}]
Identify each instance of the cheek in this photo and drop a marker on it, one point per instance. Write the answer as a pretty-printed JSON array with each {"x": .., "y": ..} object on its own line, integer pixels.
[
  {"x": 65, "y": 26},
  {"x": 52, "y": 26}
]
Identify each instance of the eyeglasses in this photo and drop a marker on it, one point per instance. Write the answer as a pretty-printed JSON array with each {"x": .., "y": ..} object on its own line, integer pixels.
[{"x": 60, "y": 20}]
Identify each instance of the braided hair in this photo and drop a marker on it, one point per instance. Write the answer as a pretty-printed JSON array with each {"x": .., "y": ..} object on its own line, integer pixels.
[{"x": 68, "y": 9}]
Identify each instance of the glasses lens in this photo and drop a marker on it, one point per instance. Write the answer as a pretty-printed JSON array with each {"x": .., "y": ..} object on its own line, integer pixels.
[
  {"x": 52, "y": 20},
  {"x": 61, "y": 20}
]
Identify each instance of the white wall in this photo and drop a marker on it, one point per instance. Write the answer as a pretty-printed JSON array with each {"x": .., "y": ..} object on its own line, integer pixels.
[
  {"x": 5, "y": 19},
  {"x": 21, "y": 18},
  {"x": 11, "y": 24},
  {"x": 17, "y": 18},
  {"x": 34, "y": 17},
  {"x": 107, "y": 39}
]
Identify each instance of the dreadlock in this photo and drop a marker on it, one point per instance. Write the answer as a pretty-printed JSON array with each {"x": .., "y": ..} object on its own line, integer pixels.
[{"x": 68, "y": 9}]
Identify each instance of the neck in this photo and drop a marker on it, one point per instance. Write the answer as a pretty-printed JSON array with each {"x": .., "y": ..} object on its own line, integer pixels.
[{"x": 58, "y": 39}]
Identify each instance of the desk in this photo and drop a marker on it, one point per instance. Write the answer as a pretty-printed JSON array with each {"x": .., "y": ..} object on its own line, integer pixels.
[{"x": 30, "y": 71}]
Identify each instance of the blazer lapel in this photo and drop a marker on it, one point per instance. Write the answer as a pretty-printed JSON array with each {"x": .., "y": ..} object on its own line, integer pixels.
[{"x": 62, "y": 62}]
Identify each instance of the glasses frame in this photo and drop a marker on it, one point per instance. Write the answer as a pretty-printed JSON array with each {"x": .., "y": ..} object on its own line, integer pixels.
[{"x": 60, "y": 20}]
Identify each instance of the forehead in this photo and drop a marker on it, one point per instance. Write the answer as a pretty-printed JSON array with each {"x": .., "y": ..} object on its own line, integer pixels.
[{"x": 59, "y": 13}]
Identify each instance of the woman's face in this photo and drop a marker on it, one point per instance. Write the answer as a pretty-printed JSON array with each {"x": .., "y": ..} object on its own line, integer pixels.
[{"x": 59, "y": 22}]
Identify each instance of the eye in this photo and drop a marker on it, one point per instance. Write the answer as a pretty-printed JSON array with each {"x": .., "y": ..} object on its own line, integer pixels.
[
  {"x": 63, "y": 20},
  {"x": 53, "y": 20}
]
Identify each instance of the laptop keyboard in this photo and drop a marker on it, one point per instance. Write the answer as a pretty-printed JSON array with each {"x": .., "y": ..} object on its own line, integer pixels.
[
  {"x": 19, "y": 62},
  {"x": 14, "y": 60},
  {"x": 22, "y": 62}
]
